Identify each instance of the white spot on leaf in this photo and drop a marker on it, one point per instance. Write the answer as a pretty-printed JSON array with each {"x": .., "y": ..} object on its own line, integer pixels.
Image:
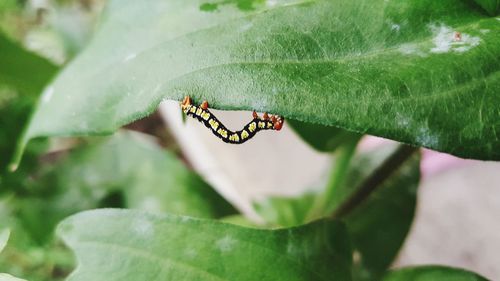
[
  {"x": 226, "y": 244},
  {"x": 143, "y": 228},
  {"x": 190, "y": 253},
  {"x": 129, "y": 57},
  {"x": 402, "y": 120},
  {"x": 427, "y": 138},
  {"x": 290, "y": 249},
  {"x": 271, "y": 3},
  {"x": 444, "y": 40}
]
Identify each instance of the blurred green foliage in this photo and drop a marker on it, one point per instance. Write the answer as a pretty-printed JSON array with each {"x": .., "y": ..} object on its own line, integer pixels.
[{"x": 130, "y": 170}]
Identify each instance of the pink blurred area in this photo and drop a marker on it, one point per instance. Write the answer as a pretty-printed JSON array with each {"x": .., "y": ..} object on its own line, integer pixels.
[
  {"x": 436, "y": 162},
  {"x": 432, "y": 163}
]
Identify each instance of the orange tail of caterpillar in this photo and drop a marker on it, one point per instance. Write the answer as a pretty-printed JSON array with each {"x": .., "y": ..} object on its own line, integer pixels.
[{"x": 202, "y": 114}]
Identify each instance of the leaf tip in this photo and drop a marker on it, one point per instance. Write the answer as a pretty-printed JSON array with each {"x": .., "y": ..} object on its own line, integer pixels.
[{"x": 13, "y": 167}]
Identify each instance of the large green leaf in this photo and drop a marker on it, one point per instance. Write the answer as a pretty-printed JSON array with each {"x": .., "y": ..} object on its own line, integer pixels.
[
  {"x": 432, "y": 273},
  {"x": 377, "y": 227},
  {"x": 126, "y": 170},
  {"x": 492, "y": 6},
  {"x": 386, "y": 68},
  {"x": 131, "y": 245}
]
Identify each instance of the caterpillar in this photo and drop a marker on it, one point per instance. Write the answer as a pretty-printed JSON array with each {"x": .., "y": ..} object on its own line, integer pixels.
[{"x": 202, "y": 114}]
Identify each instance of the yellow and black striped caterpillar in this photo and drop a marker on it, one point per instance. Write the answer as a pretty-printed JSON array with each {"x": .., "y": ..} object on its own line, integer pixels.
[{"x": 202, "y": 114}]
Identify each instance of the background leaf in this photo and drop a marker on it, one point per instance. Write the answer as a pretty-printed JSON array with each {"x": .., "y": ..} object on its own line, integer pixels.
[
  {"x": 25, "y": 257},
  {"x": 4, "y": 237},
  {"x": 431, "y": 273},
  {"x": 22, "y": 77},
  {"x": 285, "y": 212},
  {"x": 8, "y": 277},
  {"x": 491, "y": 6},
  {"x": 377, "y": 227},
  {"x": 27, "y": 72},
  {"x": 322, "y": 138},
  {"x": 127, "y": 170},
  {"x": 386, "y": 68},
  {"x": 131, "y": 245}
]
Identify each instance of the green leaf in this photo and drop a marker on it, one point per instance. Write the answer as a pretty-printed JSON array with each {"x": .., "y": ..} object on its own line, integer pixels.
[
  {"x": 386, "y": 68},
  {"x": 285, "y": 212},
  {"x": 310, "y": 206},
  {"x": 131, "y": 245},
  {"x": 125, "y": 170},
  {"x": 377, "y": 226},
  {"x": 8, "y": 277},
  {"x": 240, "y": 220},
  {"x": 4, "y": 237},
  {"x": 322, "y": 138},
  {"x": 26, "y": 72},
  {"x": 491, "y": 6},
  {"x": 12, "y": 23},
  {"x": 27, "y": 258},
  {"x": 22, "y": 78},
  {"x": 432, "y": 273}
]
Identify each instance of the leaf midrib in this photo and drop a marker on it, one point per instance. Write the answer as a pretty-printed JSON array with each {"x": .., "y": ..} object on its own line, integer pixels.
[{"x": 151, "y": 255}]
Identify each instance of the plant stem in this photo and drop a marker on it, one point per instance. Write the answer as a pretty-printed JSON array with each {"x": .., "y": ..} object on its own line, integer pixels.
[
  {"x": 375, "y": 180},
  {"x": 343, "y": 156}
]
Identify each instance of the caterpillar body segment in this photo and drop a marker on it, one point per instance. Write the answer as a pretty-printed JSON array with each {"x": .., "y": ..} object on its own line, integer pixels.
[{"x": 202, "y": 114}]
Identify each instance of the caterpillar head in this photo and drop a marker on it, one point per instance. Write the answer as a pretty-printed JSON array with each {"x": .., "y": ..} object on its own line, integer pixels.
[{"x": 277, "y": 122}]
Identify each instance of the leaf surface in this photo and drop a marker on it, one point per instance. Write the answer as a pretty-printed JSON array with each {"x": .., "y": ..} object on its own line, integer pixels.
[
  {"x": 132, "y": 245},
  {"x": 126, "y": 170},
  {"x": 491, "y": 6},
  {"x": 387, "y": 68},
  {"x": 377, "y": 227},
  {"x": 8, "y": 277},
  {"x": 23, "y": 70},
  {"x": 22, "y": 78}
]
